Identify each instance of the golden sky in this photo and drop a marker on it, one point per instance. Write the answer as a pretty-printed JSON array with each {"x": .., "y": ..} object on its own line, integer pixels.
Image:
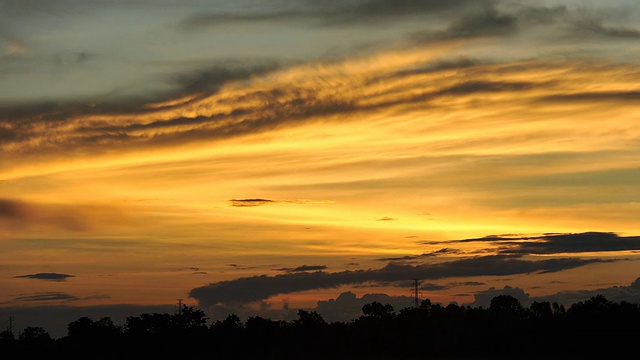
[{"x": 277, "y": 157}]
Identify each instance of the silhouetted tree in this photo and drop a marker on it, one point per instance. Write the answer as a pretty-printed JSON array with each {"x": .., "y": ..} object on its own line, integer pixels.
[
  {"x": 541, "y": 310},
  {"x": 34, "y": 335},
  {"x": 504, "y": 329},
  {"x": 377, "y": 310}
]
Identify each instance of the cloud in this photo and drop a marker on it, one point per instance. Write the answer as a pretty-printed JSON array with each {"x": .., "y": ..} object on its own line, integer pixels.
[
  {"x": 303, "y": 268},
  {"x": 629, "y": 293},
  {"x": 438, "y": 287},
  {"x": 617, "y": 96},
  {"x": 557, "y": 243},
  {"x": 541, "y": 15},
  {"x": 250, "y": 202},
  {"x": 386, "y": 218},
  {"x": 443, "y": 251},
  {"x": 46, "y": 296},
  {"x": 17, "y": 213},
  {"x": 333, "y": 13},
  {"x": 597, "y": 27},
  {"x": 487, "y": 22},
  {"x": 261, "y": 202},
  {"x": 257, "y": 288},
  {"x": 46, "y": 276},
  {"x": 250, "y": 100},
  {"x": 348, "y": 305}
]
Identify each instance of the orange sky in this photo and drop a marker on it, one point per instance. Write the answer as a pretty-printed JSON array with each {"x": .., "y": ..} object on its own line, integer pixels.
[{"x": 334, "y": 169}]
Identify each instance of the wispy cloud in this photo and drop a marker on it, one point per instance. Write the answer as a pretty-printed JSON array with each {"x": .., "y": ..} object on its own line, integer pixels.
[
  {"x": 46, "y": 296},
  {"x": 261, "y": 202},
  {"x": 75, "y": 217},
  {"x": 46, "y": 276},
  {"x": 303, "y": 268},
  {"x": 331, "y": 14},
  {"x": 597, "y": 27},
  {"x": 250, "y": 202}
]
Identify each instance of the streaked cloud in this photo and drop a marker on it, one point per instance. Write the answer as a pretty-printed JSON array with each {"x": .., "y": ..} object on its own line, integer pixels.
[
  {"x": 46, "y": 276},
  {"x": 46, "y": 296},
  {"x": 342, "y": 13},
  {"x": 261, "y": 202},
  {"x": 599, "y": 28},
  {"x": 303, "y": 268},
  {"x": 256, "y": 288},
  {"x": 144, "y": 143},
  {"x": 557, "y": 243}
]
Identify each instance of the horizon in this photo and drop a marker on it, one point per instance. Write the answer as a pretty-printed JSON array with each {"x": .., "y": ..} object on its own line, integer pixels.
[{"x": 257, "y": 157}]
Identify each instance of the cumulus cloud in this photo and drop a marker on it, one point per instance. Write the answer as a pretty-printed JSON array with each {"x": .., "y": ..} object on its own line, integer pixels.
[
  {"x": 348, "y": 305},
  {"x": 629, "y": 293},
  {"x": 257, "y": 288},
  {"x": 46, "y": 276},
  {"x": 483, "y": 298}
]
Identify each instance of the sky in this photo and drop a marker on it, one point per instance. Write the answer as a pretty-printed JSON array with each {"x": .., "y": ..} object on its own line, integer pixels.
[{"x": 258, "y": 157}]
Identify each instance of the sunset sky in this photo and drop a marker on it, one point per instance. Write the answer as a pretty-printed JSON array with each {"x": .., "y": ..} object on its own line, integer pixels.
[{"x": 256, "y": 157}]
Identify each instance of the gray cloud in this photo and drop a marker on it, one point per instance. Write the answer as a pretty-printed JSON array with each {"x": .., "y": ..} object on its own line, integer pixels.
[
  {"x": 46, "y": 276},
  {"x": 541, "y": 15},
  {"x": 443, "y": 251},
  {"x": 208, "y": 80},
  {"x": 303, "y": 268},
  {"x": 487, "y": 22},
  {"x": 630, "y": 95},
  {"x": 333, "y": 13},
  {"x": 558, "y": 243},
  {"x": 597, "y": 27},
  {"x": 438, "y": 287},
  {"x": 433, "y": 287},
  {"x": 46, "y": 296},
  {"x": 348, "y": 305},
  {"x": 261, "y": 202},
  {"x": 483, "y": 298},
  {"x": 256, "y": 288},
  {"x": 629, "y": 293}
]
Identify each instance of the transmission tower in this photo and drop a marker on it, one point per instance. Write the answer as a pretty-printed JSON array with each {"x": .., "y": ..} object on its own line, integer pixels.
[
  {"x": 10, "y": 327},
  {"x": 179, "y": 306},
  {"x": 415, "y": 292}
]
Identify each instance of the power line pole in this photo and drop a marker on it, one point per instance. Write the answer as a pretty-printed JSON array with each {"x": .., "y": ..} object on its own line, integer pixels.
[{"x": 179, "y": 306}]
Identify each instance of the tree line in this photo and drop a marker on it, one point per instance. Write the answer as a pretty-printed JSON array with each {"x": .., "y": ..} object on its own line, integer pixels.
[{"x": 430, "y": 331}]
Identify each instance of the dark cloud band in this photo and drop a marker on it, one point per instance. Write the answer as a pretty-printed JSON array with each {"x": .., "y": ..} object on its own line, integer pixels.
[{"x": 256, "y": 288}]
